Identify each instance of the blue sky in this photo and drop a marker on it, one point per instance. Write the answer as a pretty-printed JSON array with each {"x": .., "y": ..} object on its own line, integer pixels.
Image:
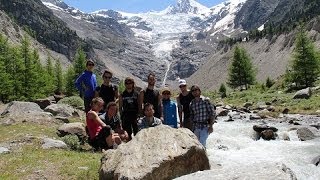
[{"x": 133, "y": 6}]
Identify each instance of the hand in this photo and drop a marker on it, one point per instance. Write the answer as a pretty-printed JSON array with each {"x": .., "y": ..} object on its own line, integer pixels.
[{"x": 210, "y": 129}]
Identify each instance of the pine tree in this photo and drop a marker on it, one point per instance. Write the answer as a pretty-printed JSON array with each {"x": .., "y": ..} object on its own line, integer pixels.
[
  {"x": 269, "y": 82},
  {"x": 58, "y": 80},
  {"x": 223, "y": 91},
  {"x": 70, "y": 80},
  {"x": 4, "y": 74},
  {"x": 49, "y": 76},
  {"x": 241, "y": 72},
  {"x": 79, "y": 62},
  {"x": 305, "y": 64}
]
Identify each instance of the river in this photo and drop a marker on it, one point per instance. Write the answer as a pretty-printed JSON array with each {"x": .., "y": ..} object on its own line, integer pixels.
[{"x": 235, "y": 154}]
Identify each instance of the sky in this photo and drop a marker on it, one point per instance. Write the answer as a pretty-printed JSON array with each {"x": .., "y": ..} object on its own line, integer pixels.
[{"x": 131, "y": 6}]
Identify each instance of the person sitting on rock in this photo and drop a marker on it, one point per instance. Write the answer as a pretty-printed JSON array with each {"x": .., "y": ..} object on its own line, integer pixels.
[
  {"x": 148, "y": 120},
  {"x": 111, "y": 118},
  {"x": 100, "y": 134}
]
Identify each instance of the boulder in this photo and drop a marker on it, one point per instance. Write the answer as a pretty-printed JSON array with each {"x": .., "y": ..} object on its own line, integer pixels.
[
  {"x": 20, "y": 108},
  {"x": 43, "y": 103},
  {"x": 62, "y": 110},
  {"x": 4, "y": 150},
  {"x": 261, "y": 105},
  {"x": 247, "y": 104},
  {"x": 51, "y": 143},
  {"x": 254, "y": 117},
  {"x": 158, "y": 152},
  {"x": 267, "y": 134},
  {"x": 285, "y": 111},
  {"x": 303, "y": 94},
  {"x": 305, "y": 134},
  {"x": 221, "y": 111},
  {"x": 76, "y": 128},
  {"x": 260, "y": 128},
  {"x": 316, "y": 161},
  {"x": 57, "y": 97}
]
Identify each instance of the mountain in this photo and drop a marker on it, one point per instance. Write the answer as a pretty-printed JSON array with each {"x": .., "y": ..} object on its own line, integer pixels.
[{"x": 181, "y": 41}]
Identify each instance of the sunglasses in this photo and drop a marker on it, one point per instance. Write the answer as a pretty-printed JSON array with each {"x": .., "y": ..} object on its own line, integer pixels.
[
  {"x": 107, "y": 77},
  {"x": 182, "y": 86},
  {"x": 193, "y": 90},
  {"x": 128, "y": 82},
  {"x": 90, "y": 64}
]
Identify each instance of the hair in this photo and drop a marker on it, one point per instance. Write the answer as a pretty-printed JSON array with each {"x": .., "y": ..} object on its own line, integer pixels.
[
  {"x": 130, "y": 79},
  {"x": 89, "y": 61},
  {"x": 195, "y": 86},
  {"x": 151, "y": 74},
  {"x": 146, "y": 105},
  {"x": 96, "y": 100},
  {"x": 110, "y": 104},
  {"x": 107, "y": 71}
]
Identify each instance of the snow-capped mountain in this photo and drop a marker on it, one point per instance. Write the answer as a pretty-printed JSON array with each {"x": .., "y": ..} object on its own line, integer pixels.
[
  {"x": 187, "y": 7},
  {"x": 178, "y": 26}
]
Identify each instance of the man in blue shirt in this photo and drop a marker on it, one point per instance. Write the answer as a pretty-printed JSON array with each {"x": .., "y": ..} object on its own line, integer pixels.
[
  {"x": 169, "y": 109},
  {"x": 87, "y": 83}
]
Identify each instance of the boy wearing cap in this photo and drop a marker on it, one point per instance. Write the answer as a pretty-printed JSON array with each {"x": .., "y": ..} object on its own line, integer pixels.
[
  {"x": 183, "y": 101},
  {"x": 169, "y": 109}
]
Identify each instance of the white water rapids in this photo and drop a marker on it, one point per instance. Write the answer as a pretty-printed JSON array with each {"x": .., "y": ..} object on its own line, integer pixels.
[{"x": 234, "y": 154}]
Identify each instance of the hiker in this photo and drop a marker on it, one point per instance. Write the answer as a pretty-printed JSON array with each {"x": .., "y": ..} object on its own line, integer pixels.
[
  {"x": 183, "y": 101},
  {"x": 100, "y": 134},
  {"x": 152, "y": 96},
  {"x": 107, "y": 91},
  {"x": 110, "y": 117},
  {"x": 169, "y": 109},
  {"x": 128, "y": 106},
  {"x": 202, "y": 114},
  {"x": 86, "y": 83},
  {"x": 148, "y": 120}
]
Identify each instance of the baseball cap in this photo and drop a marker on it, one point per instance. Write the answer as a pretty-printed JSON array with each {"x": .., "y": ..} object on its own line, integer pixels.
[{"x": 182, "y": 82}]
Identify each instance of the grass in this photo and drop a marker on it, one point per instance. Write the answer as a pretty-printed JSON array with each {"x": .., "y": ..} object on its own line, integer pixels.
[
  {"x": 279, "y": 100},
  {"x": 60, "y": 164},
  {"x": 27, "y": 160}
]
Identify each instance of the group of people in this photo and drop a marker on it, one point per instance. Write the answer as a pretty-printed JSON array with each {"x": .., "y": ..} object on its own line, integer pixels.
[{"x": 138, "y": 110}]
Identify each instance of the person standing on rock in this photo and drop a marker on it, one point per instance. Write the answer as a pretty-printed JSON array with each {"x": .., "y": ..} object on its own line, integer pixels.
[
  {"x": 169, "y": 109},
  {"x": 128, "y": 106},
  {"x": 107, "y": 91},
  {"x": 110, "y": 118},
  {"x": 87, "y": 83},
  {"x": 202, "y": 115},
  {"x": 183, "y": 101},
  {"x": 148, "y": 120},
  {"x": 152, "y": 96},
  {"x": 100, "y": 134}
]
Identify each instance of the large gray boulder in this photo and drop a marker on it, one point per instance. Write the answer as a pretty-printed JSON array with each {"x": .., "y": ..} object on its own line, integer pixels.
[
  {"x": 18, "y": 111},
  {"x": 303, "y": 94},
  {"x": 76, "y": 128},
  {"x": 305, "y": 134},
  {"x": 61, "y": 110},
  {"x": 155, "y": 153},
  {"x": 20, "y": 108}
]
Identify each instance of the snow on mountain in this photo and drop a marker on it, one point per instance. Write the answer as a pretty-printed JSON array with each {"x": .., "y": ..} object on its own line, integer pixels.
[{"x": 226, "y": 12}]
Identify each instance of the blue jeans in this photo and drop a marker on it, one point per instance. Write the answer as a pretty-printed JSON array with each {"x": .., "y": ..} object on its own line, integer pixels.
[{"x": 202, "y": 135}]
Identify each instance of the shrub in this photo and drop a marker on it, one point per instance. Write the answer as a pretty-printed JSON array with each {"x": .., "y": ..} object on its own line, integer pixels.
[
  {"x": 72, "y": 141},
  {"x": 74, "y": 101}
]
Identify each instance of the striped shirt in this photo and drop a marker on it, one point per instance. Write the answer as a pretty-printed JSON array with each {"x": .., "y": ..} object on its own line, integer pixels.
[{"x": 201, "y": 112}]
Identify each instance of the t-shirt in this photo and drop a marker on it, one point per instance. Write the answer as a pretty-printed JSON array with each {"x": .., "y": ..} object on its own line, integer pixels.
[
  {"x": 114, "y": 122},
  {"x": 130, "y": 102},
  {"x": 107, "y": 93},
  {"x": 152, "y": 96},
  {"x": 185, "y": 102}
]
